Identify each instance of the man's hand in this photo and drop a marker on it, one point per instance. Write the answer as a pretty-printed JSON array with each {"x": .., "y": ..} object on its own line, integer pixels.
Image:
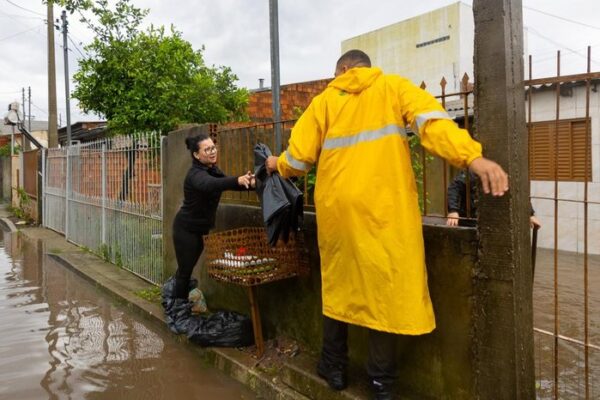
[
  {"x": 452, "y": 219},
  {"x": 534, "y": 222},
  {"x": 493, "y": 178},
  {"x": 271, "y": 164}
]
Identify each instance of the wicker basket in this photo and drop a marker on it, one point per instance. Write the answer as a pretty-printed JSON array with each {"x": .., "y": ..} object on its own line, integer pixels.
[{"x": 243, "y": 256}]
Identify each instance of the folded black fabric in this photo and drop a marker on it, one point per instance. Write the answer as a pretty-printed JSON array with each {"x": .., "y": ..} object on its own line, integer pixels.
[{"x": 281, "y": 201}]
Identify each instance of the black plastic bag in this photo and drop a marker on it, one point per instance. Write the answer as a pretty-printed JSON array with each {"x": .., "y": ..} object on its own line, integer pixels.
[
  {"x": 280, "y": 200},
  {"x": 221, "y": 329}
]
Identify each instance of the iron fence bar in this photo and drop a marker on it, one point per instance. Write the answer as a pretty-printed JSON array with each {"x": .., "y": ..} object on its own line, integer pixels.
[
  {"x": 443, "y": 83},
  {"x": 555, "y": 164},
  {"x": 584, "y": 344},
  {"x": 585, "y": 227},
  {"x": 103, "y": 178},
  {"x": 67, "y": 190},
  {"x": 43, "y": 196}
]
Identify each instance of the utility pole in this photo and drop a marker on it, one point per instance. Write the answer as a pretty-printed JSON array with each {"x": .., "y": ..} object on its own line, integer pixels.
[
  {"x": 24, "y": 140},
  {"x": 23, "y": 103},
  {"x": 502, "y": 293},
  {"x": 29, "y": 112},
  {"x": 52, "y": 128},
  {"x": 65, "y": 31},
  {"x": 276, "y": 104}
]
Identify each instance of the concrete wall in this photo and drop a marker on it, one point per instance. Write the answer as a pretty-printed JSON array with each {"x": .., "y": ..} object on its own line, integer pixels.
[{"x": 570, "y": 213}]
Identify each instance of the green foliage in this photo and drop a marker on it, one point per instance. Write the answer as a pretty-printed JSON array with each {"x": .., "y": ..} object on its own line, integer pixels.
[
  {"x": 151, "y": 294},
  {"x": 20, "y": 211},
  {"x": 150, "y": 80},
  {"x": 418, "y": 167},
  {"x": 104, "y": 252},
  {"x": 119, "y": 23},
  {"x": 5, "y": 150},
  {"x": 310, "y": 178}
]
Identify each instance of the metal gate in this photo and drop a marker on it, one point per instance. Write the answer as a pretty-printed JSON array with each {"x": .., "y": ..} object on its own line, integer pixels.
[{"x": 106, "y": 196}]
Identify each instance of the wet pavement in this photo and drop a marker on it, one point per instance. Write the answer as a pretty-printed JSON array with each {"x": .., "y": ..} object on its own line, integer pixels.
[
  {"x": 570, "y": 293},
  {"x": 62, "y": 338}
]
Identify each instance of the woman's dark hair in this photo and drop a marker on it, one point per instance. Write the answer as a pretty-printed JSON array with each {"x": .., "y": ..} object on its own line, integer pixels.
[{"x": 192, "y": 143}]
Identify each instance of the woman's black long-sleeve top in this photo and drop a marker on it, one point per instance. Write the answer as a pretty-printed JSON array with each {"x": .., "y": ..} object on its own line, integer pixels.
[{"x": 202, "y": 191}]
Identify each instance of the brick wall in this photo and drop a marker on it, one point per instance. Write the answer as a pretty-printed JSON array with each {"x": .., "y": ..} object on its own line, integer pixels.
[{"x": 293, "y": 96}]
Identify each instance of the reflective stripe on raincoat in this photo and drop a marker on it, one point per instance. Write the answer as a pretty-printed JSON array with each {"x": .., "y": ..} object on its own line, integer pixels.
[{"x": 368, "y": 220}]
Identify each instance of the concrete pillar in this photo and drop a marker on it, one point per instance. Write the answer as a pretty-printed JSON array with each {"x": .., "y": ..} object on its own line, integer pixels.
[{"x": 503, "y": 330}]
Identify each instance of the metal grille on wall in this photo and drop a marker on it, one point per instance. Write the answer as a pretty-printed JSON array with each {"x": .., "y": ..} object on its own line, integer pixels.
[
  {"x": 565, "y": 192},
  {"x": 106, "y": 196}
]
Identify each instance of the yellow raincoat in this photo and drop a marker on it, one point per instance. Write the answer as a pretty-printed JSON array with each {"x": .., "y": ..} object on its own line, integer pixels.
[{"x": 368, "y": 220}]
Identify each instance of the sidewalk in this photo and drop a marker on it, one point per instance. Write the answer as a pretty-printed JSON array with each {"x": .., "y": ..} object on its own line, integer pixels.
[{"x": 276, "y": 376}]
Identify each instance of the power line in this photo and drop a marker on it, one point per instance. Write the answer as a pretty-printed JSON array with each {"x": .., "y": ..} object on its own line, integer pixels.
[
  {"x": 563, "y": 18},
  {"x": 535, "y": 32},
  {"x": 18, "y": 33},
  {"x": 18, "y": 16},
  {"x": 39, "y": 109},
  {"x": 76, "y": 47},
  {"x": 25, "y": 9}
]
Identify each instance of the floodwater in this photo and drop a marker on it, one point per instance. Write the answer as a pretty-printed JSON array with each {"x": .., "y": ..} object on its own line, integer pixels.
[
  {"x": 61, "y": 338},
  {"x": 570, "y": 361}
]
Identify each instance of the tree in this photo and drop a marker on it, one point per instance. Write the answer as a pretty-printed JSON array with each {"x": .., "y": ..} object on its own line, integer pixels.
[{"x": 150, "y": 80}]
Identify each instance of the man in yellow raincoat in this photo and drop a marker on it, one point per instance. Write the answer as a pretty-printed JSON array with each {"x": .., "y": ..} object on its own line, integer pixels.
[{"x": 368, "y": 219}]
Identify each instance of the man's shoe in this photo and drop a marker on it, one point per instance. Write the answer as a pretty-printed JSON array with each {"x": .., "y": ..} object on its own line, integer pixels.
[
  {"x": 335, "y": 375},
  {"x": 381, "y": 391}
]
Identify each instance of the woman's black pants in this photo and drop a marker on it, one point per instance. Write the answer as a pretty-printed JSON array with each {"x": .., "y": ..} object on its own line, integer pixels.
[{"x": 188, "y": 248}]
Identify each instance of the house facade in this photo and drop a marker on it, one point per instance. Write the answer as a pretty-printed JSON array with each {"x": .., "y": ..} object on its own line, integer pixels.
[{"x": 559, "y": 147}]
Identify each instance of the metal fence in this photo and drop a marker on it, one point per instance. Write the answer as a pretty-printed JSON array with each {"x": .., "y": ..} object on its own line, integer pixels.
[
  {"x": 564, "y": 139},
  {"x": 106, "y": 196}
]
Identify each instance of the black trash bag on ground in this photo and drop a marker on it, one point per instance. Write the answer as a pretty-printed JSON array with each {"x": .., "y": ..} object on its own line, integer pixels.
[
  {"x": 221, "y": 329},
  {"x": 281, "y": 201},
  {"x": 177, "y": 311}
]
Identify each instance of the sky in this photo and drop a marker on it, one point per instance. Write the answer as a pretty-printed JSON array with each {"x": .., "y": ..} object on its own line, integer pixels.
[{"x": 235, "y": 33}]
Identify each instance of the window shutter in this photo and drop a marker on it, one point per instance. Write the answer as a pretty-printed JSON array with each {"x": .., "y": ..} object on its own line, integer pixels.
[{"x": 546, "y": 163}]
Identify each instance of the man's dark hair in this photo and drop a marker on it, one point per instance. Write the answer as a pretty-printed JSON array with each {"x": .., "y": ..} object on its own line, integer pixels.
[{"x": 354, "y": 58}]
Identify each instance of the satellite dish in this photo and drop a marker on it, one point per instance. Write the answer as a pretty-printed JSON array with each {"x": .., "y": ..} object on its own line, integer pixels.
[{"x": 14, "y": 116}]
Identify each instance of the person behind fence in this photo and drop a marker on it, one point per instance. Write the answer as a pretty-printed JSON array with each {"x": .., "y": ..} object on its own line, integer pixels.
[
  {"x": 368, "y": 219},
  {"x": 202, "y": 189},
  {"x": 458, "y": 214}
]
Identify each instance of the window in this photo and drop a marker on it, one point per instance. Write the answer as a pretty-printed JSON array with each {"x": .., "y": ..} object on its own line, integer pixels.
[{"x": 572, "y": 150}]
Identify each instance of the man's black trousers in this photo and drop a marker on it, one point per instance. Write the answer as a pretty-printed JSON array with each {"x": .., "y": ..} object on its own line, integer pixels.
[{"x": 381, "y": 365}]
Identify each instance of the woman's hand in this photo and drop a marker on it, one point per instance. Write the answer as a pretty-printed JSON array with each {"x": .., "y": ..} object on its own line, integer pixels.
[{"x": 246, "y": 180}]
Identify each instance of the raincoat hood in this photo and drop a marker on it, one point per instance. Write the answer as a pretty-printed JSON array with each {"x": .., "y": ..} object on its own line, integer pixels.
[{"x": 356, "y": 80}]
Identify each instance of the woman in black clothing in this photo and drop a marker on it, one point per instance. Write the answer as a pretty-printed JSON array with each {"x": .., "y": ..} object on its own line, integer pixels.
[{"x": 202, "y": 190}]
